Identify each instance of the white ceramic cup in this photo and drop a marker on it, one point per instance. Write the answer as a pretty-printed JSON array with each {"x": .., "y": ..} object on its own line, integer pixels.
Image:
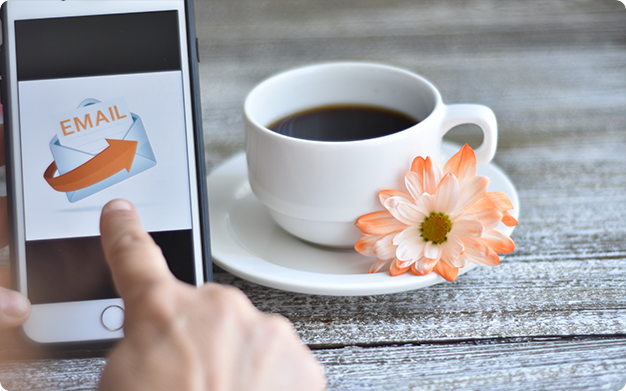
[{"x": 317, "y": 189}]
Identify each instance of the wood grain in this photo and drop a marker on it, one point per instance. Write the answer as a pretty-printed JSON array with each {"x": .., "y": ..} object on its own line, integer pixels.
[
  {"x": 52, "y": 374},
  {"x": 513, "y": 299},
  {"x": 507, "y": 364},
  {"x": 498, "y": 365}
]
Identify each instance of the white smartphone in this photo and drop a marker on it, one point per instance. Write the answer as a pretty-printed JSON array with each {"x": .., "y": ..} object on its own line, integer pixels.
[{"x": 101, "y": 101}]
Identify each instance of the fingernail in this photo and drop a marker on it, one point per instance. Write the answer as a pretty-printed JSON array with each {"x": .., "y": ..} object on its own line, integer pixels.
[
  {"x": 14, "y": 304},
  {"x": 119, "y": 205}
]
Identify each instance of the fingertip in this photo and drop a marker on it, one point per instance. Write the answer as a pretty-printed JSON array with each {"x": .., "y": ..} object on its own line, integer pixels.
[
  {"x": 116, "y": 208},
  {"x": 117, "y": 205}
]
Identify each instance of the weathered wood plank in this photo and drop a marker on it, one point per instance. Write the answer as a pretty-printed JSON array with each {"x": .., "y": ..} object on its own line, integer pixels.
[
  {"x": 512, "y": 364},
  {"x": 51, "y": 375},
  {"x": 487, "y": 365},
  {"x": 515, "y": 299}
]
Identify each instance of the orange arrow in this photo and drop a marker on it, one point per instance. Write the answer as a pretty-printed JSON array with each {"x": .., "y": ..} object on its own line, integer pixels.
[{"x": 117, "y": 156}]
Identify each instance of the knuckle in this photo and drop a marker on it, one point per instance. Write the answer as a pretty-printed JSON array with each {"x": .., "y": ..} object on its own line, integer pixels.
[
  {"x": 230, "y": 309},
  {"x": 155, "y": 305},
  {"x": 227, "y": 298},
  {"x": 131, "y": 242},
  {"x": 277, "y": 327}
]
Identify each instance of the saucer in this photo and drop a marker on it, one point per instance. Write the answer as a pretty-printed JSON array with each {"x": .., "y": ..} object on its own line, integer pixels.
[{"x": 247, "y": 242}]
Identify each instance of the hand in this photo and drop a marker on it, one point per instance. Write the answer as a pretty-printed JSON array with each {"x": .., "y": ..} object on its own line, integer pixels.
[
  {"x": 179, "y": 337},
  {"x": 14, "y": 307}
]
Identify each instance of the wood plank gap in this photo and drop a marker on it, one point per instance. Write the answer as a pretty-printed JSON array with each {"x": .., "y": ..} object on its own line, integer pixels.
[{"x": 474, "y": 341}]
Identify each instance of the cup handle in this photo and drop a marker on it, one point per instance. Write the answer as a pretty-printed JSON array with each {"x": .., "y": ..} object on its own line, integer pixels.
[{"x": 479, "y": 115}]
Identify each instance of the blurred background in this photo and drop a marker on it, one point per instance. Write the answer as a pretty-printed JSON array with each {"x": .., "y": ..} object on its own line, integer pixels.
[{"x": 549, "y": 69}]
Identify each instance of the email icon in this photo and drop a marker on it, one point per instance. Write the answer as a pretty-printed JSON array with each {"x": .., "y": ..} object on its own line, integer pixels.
[{"x": 96, "y": 146}]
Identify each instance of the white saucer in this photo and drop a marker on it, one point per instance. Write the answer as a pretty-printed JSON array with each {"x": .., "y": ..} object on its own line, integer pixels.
[{"x": 246, "y": 242}]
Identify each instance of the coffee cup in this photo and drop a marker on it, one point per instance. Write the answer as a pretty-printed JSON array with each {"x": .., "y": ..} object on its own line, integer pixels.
[{"x": 316, "y": 189}]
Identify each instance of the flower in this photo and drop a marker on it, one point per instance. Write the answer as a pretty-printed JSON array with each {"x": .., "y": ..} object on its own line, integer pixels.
[{"x": 444, "y": 220}]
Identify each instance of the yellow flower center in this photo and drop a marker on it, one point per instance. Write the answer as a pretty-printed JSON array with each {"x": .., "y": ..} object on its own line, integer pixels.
[{"x": 435, "y": 228}]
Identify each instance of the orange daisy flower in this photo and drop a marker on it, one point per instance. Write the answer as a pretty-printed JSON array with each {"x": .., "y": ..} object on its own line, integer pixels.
[{"x": 444, "y": 220}]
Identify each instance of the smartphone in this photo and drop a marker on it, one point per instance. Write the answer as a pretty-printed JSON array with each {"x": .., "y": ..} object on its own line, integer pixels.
[{"x": 101, "y": 101}]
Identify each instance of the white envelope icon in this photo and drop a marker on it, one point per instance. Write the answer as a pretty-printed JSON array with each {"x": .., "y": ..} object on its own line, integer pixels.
[{"x": 68, "y": 159}]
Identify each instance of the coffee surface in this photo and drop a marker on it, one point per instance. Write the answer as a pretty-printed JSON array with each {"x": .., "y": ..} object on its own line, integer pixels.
[{"x": 343, "y": 123}]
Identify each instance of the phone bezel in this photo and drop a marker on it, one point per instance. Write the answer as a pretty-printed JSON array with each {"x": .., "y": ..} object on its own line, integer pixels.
[{"x": 77, "y": 321}]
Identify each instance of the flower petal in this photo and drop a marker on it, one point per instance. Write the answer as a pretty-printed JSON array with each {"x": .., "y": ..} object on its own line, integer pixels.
[
  {"x": 432, "y": 175},
  {"x": 403, "y": 264},
  {"x": 482, "y": 203},
  {"x": 414, "y": 184},
  {"x": 463, "y": 258},
  {"x": 445, "y": 271},
  {"x": 447, "y": 194},
  {"x": 384, "y": 194},
  {"x": 423, "y": 266},
  {"x": 378, "y": 265},
  {"x": 498, "y": 241},
  {"x": 418, "y": 166},
  {"x": 492, "y": 259},
  {"x": 417, "y": 272},
  {"x": 379, "y": 223},
  {"x": 392, "y": 203},
  {"x": 467, "y": 228},
  {"x": 493, "y": 199},
  {"x": 462, "y": 164},
  {"x": 432, "y": 251},
  {"x": 394, "y": 270},
  {"x": 489, "y": 218},
  {"x": 411, "y": 213},
  {"x": 475, "y": 247},
  {"x": 500, "y": 200},
  {"x": 508, "y": 219},
  {"x": 365, "y": 245},
  {"x": 410, "y": 244},
  {"x": 457, "y": 262},
  {"x": 472, "y": 189},
  {"x": 426, "y": 204},
  {"x": 451, "y": 251},
  {"x": 384, "y": 248}
]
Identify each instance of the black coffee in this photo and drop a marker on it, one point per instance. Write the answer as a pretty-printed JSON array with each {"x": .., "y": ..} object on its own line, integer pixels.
[{"x": 343, "y": 123}]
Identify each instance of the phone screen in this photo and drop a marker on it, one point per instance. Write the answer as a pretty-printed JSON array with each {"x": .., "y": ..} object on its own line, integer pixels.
[{"x": 102, "y": 115}]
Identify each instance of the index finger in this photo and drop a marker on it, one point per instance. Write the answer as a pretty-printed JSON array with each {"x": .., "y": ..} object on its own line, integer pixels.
[{"x": 136, "y": 262}]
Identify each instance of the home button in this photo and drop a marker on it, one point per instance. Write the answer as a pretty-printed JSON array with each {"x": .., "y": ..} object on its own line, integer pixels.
[{"x": 113, "y": 318}]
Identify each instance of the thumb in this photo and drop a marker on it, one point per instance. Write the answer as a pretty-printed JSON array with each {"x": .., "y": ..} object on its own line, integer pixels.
[
  {"x": 14, "y": 309},
  {"x": 136, "y": 262}
]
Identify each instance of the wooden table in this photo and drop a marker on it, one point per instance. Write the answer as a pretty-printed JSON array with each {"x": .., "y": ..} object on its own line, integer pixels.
[{"x": 553, "y": 314}]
